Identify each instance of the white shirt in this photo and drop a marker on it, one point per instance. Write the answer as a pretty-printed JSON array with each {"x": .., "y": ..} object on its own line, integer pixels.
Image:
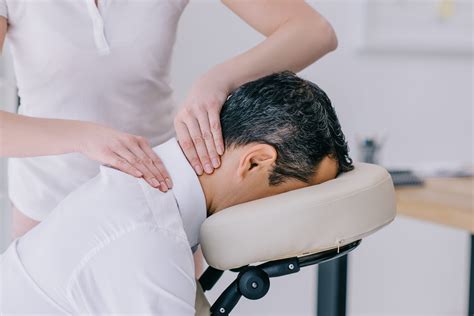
[
  {"x": 73, "y": 60},
  {"x": 115, "y": 245}
]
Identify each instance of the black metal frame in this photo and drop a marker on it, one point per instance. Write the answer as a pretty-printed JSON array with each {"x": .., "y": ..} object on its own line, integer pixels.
[
  {"x": 332, "y": 287},
  {"x": 253, "y": 282}
]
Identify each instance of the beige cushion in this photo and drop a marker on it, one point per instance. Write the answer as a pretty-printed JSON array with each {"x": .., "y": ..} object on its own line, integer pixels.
[{"x": 304, "y": 221}]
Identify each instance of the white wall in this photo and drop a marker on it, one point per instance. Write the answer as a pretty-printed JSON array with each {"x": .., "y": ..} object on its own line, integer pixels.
[{"x": 421, "y": 102}]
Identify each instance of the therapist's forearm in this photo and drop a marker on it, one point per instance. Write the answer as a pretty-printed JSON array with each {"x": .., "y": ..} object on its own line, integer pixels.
[
  {"x": 24, "y": 136},
  {"x": 3, "y": 31},
  {"x": 294, "y": 45}
]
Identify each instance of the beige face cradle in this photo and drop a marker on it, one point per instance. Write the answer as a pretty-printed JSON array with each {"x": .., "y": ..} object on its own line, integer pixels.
[{"x": 308, "y": 224}]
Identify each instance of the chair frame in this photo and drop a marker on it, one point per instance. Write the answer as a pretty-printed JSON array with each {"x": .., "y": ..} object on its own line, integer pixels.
[{"x": 253, "y": 282}]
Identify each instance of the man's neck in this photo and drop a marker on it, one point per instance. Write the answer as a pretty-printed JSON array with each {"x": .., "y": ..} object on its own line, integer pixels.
[{"x": 209, "y": 191}]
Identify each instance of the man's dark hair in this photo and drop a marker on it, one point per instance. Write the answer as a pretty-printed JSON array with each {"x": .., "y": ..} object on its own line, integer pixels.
[{"x": 291, "y": 114}]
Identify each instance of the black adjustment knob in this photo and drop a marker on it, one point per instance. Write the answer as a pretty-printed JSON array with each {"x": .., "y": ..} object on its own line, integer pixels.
[{"x": 254, "y": 283}]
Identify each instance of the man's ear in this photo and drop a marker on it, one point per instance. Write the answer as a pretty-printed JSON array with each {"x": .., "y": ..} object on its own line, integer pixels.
[{"x": 256, "y": 159}]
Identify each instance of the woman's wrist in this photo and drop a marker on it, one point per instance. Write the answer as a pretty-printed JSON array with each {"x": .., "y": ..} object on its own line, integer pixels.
[
  {"x": 233, "y": 73},
  {"x": 76, "y": 135},
  {"x": 223, "y": 76}
]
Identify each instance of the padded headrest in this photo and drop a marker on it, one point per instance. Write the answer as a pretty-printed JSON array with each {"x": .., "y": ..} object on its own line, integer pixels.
[{"x": 300, "y": 222}]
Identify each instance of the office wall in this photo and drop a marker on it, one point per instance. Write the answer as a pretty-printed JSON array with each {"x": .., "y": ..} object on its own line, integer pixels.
[{"x": 422, "y": 104}]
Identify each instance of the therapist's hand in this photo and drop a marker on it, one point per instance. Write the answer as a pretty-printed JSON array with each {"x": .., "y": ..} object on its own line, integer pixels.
[
  {"x": 198, "y": 126},
  {"x": 125, "y": 152}
]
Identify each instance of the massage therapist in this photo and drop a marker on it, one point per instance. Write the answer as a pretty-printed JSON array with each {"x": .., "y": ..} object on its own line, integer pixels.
[{"x": 93, "y": 78}]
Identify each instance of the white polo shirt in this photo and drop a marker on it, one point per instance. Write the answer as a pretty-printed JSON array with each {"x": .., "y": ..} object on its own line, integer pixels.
[
  {"x": 108, "y": 64},
  {"x": 115, "y": 245}
]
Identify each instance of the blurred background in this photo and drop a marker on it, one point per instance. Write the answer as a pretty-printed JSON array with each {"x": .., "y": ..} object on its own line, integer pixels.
[{"x": 402, "y": 78}]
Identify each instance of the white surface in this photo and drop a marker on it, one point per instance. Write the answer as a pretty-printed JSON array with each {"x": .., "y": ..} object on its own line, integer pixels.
[
  {"x": 419, "y": 26},
  {"x": 410, "y": 268}
]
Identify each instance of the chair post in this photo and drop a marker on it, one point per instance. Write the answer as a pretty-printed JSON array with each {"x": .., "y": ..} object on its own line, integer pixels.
[{"x": 332, "y": 287}]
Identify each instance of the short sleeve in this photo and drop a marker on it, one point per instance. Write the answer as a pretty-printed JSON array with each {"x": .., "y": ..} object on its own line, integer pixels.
[
  {"x": 3, "y": 8},
  {"x": 142, "y": 272}
]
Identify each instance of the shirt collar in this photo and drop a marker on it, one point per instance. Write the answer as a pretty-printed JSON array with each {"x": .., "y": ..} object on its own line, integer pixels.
[{"x": 186, "y": 188}]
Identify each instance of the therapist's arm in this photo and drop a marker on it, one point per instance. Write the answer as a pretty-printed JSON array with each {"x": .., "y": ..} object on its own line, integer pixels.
[
  {"x": 24, "y": 136},
  {"x": 3, "y": 31},
  {"x": 145, "y": 271},
  {"x": 296, "y": 36}
]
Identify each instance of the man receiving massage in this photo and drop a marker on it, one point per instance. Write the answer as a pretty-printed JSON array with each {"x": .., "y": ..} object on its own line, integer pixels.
[{"x": 116, "y": 245}]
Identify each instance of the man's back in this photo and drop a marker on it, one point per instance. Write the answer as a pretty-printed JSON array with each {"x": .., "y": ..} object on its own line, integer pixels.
[{"x": 114, "y": 245}]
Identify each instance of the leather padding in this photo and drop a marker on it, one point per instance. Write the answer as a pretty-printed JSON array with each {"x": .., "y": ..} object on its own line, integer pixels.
[{"x": 303, "y": 221}]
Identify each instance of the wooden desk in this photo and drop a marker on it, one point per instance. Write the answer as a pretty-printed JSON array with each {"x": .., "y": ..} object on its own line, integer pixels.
[{"x": 445, "y": 201}]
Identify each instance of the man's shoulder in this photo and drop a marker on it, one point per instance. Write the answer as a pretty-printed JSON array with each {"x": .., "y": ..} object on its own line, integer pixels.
[
  {"x": 96, "y": 209},
  {"x": 103, "y": 215},
  {"x": 109, "y": 188}
]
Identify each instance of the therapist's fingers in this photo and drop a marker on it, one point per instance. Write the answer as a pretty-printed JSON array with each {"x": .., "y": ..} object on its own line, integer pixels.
[
  {"x": 145, "y": 164},
  {"x": 186, "y": 143},
  {"x": 116, "y": 161},
  {"x": 143, "y": 170},
  {"x": 199, "y": 143},
  {"x": 134, "y": 160},
  {"x": 156, "y": 161},
  {"x": 119, "y": 155},
  {"x": 216, "y": 130},
  {"x": 205, "y": 128}
]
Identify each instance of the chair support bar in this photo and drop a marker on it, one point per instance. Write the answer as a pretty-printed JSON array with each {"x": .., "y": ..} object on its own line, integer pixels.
[
  {"x": 209, "y": 278},
  {"x": 327, "y": 255},
  {"x": 253, "y": 282}
]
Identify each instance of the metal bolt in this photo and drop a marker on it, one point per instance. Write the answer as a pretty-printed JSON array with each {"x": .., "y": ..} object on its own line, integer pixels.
[
  {"x": 291, "y": 266},
  {"x": 222, "y": 310},
  {"x": 254, "y": 285}
]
